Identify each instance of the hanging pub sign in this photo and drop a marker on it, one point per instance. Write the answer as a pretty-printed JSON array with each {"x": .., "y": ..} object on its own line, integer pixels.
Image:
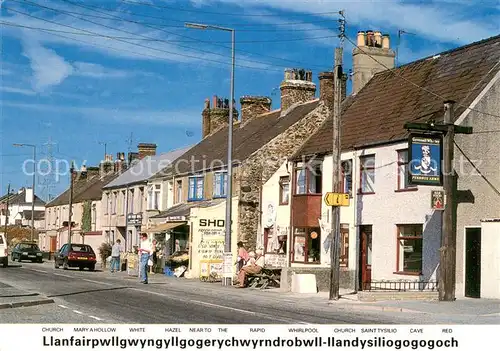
[
  {"x": 425, "y": 159},
  {"x": 437, "y": 200}
]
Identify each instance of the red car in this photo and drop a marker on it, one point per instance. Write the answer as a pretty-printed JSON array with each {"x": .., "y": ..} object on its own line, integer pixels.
[{"x": 75, "y": 255}]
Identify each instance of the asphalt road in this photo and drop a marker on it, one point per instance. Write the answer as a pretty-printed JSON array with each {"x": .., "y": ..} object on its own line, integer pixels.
[{"x": 100, "y": 297}]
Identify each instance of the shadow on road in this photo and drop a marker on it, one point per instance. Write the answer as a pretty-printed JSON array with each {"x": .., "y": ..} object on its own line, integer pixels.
[
  {"x": 89, "y": 291},
  {"x": 14, "y": 265}
]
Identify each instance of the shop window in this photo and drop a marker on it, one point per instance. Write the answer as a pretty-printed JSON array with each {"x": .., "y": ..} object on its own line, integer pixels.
[
  {"x": 367, "y": 170},
  {"x": 403, "y": 183},
  {"x": 347, "y": 177},
  {"x": 220, "y": 184},
  {"x": 306, "y": 245},
  {"x": 409, "y": 250},
  {"x": 195, "y": 188},
  {"x": 274, "y": 243},
  {"x": 308, "y": 178},
  {"x": 284, "y": 190}
]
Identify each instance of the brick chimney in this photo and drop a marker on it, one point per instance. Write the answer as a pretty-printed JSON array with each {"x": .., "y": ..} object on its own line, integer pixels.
[
  {"x": 252, "y": 106},
  {"x": 215, "y": 115},
  {"x": 146, "y": 149},
  {"x": 370, "y": 45},
  {"x": 132, "y": 156},
  {"x": 297, "y": 87},
  {"x": 106, "y": 165}
]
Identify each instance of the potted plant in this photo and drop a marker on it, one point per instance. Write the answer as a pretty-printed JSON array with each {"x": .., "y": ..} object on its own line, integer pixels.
[
  {"x": 104, "y": 252},
  {"x": 311, "y": 255}
]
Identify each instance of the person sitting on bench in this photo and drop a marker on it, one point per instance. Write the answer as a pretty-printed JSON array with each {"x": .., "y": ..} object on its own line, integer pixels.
[{"x": 252, "y": 268}]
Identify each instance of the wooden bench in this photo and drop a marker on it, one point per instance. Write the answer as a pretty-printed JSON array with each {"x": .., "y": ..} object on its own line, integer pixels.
[{"x": 268, "y": 277}]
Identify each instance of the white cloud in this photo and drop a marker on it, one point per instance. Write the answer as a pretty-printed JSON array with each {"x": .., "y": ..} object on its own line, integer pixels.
[
  {"x": 171, "y": 118},
  {"x": 434, "y": 20},
  {"x": 94, "y": 70},
  {"x": 13, "y": 90},
  {"x": 49, "y": 69}
]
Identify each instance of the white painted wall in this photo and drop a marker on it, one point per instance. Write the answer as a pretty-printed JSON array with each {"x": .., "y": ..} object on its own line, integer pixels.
[
  {"x": 281, "y": 217},
  {"x": 387, "y": 208},
  {"x": 490, "y": 260}
]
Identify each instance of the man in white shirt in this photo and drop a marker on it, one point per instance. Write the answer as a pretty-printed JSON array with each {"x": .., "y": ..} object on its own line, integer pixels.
[
  {"x": 145, "y": 252},
  {"x": 116, "y": 249},
  {"x": 252, "y": 268}
]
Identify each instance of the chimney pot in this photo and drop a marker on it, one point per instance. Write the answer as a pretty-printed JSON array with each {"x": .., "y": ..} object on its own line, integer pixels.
[
  {"x": 385, "y": 41},
  {"x": 378, "y": 39},
  {"x": 296, "y": 88},
  {"x": 361, "y": 38}
]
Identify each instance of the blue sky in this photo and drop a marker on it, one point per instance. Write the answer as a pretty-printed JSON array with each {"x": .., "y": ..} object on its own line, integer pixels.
[{"x": 134, "y": 68}]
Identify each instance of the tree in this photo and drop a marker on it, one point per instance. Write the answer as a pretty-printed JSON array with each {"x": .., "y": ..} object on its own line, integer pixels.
[
  {"x": 87, "y": 216},
  {"x": 16, "y": 234}
]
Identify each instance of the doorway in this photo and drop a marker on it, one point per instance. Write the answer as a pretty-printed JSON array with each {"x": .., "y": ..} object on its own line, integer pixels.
[
  {"x": 365, "y": 257},
  {"x": 53, "y": 244},
  {"x": 473, "y": 262}
]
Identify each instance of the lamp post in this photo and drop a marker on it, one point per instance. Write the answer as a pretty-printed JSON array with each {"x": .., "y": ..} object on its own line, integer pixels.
[
  {"x": 228, "y": 258},
  {"x": 33, "y": 188}
]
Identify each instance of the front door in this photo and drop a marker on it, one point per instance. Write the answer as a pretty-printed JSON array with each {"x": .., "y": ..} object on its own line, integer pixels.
[
  {"x": 473, "y": 262},
  {"x": 53, "y": 243},
  {"x": 365, "y": 276}
]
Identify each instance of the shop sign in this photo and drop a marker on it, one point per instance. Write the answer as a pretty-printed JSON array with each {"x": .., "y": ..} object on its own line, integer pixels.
[
  {"x": 275, "y": 260},
  {"x": 176, "y": 219},
  {"x": 134, "y": 219},
  {"x": 425, "y": 153},
  {"x": 212, "y": 229}
]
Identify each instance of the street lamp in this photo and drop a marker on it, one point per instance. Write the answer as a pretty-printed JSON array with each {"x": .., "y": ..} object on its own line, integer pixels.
[
  {"x": 228, "y": 257},
  {"x": 33, "y": 188}
]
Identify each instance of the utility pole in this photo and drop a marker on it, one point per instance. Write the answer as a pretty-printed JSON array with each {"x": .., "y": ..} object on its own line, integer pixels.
[
  {"x": 336, "y": 157},
  {"x": 70, "y": 209},
  {"x": 446, "y": 282},
  {"x": 7, "y": 215}
]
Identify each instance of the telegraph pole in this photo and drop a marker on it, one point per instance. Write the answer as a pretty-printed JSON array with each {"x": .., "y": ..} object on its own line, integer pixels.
[
  {"x": 448, "y": 233},
  {"x": 7, "y": 215},
  {"x": 70, "y": 210},
  {"x": 337, "y": 125}
]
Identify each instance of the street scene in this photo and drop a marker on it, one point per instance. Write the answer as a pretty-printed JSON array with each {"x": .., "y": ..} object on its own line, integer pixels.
[{"x": 214, "y": 162}]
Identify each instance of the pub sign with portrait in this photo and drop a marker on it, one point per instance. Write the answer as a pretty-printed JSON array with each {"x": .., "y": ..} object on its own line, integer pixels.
[{"x": 425, "y": 155}]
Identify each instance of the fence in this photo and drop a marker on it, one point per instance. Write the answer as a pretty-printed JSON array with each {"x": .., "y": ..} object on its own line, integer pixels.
[{"x": 398, "y": 285}]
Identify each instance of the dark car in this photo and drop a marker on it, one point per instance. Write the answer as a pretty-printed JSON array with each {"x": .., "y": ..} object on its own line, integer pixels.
[
  {"x": 75, "y": 255},
  {"x": 27, "y": 252}
]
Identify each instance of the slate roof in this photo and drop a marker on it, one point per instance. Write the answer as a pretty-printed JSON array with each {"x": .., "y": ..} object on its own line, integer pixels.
[
  {"x": 183, "y": 209},
  {"x": 379, "y": 111},
  {"x": 20, "y": 199},
  {"x": 211, "y": 152},
  {"x": 142, "y": 170},
  {"x": 83, "y": 190},
  {"x": 39, "y": 215}
]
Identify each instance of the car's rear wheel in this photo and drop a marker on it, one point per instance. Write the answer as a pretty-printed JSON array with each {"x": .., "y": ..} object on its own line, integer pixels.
[
  {"x": 65, "y": 264},
  {"x": 92, "y": 268},
  {"x": 19, "y": 258},
  {"x": 56, "y": 266},
  {"x": 5, "y": 263},
  {"x": 81, "y": 268}
]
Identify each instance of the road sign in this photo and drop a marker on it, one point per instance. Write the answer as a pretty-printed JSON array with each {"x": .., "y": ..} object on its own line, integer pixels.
[{"x": 337, "y": 199}]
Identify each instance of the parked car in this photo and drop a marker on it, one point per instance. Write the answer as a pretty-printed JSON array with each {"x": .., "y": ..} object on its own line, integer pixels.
[
  {"x": 26, "y": 251},
  {"x": 4, "y": 251},
  {"x": 75, "y": 255}
]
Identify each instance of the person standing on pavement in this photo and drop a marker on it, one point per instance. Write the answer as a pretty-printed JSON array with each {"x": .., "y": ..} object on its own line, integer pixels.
[
  {"x": 145, "y": 252},
  {"x": 116, "y": 249}
]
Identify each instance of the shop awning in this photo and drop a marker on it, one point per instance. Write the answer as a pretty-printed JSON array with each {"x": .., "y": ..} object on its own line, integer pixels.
[{"x": 164, "y": 227}]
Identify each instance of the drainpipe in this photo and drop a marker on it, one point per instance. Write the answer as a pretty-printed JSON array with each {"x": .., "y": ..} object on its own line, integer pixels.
[
  {"x": 355, "y": 174},
  {"x": 126, "y": 217},
  {"x": 290, "y": 203}
]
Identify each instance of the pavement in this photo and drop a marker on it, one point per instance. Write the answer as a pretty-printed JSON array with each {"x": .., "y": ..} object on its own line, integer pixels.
[{"x": 104, "y": 297}]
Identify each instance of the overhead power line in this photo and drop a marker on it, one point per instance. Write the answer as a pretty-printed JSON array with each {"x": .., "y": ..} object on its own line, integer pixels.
[
  {"x": 477, "y": 170},
  {"x": 392, "y": 71},
  {"x": 68, "y": 13},
  {"x": 11, "y": 24},
  {"x": 221, "y": 13},
  {"x": 140, "y": 45}
]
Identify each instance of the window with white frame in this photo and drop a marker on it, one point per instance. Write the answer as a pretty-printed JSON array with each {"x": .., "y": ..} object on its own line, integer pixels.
[
  {"x": 195, "y": 188},
  {"x": 367, "y": 170},
  {"x": 141, "y": 199},
  {"x": 124, "y": 202},
  {"x": 131, "y": 200},
  {"x": 403, "y": 170},
  {"x": 114, "y": 204},
  {"x": 410, "y": 248},
  {"x": 347, "y": 172},
  {"x": 178, "y": 191},
  {"x": 308, "y": 178},
  {"x": 220, "y": 184},
  {"x": 157, "y": 196},
  {"x": 284, "y": 190},
  {"x": 150, "y": 197}
]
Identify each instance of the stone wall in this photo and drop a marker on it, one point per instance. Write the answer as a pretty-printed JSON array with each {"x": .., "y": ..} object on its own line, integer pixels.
[
  {"x": 253, "y": 106},
  {"x": 347, "y": 277},
  {"x": 293, "y": 92},
  {"x": 262, "y": 164}
]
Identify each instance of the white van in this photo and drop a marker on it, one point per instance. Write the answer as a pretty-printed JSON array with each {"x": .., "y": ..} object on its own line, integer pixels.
[{"x": 4, "y": 251}]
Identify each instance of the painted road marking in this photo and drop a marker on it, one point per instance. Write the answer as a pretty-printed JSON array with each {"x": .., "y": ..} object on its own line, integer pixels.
[
  {"x": 219, "y": 306},
  {"x": 63, "y": 275},
  {"x": 96, "y": 318},
  {"x": 62, "y": 306},
  {"x": 77, "y": 312},
  {"x": 37, "y": 270}
]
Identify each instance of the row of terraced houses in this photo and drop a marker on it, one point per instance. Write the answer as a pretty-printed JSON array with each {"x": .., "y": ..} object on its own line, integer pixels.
[{"x": 283, "y": 169}]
